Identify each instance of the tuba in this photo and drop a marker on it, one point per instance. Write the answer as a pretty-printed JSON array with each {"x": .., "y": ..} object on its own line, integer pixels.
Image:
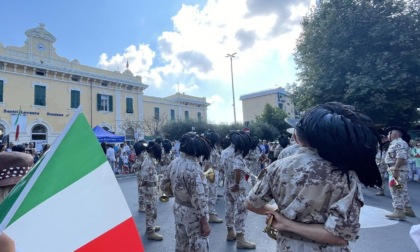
[{"x": 210, "y": 175}]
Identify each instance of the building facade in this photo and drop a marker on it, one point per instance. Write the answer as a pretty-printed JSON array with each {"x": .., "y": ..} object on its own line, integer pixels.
[
  {"x": 47, "y": 89},
  {"x": 253, "y": 104}
]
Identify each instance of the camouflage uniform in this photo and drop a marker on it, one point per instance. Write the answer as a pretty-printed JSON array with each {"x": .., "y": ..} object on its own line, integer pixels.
[
  {"x": 236, "y": 212},
  {"x": 253, "y": 164},
  {"x": 137, "y": 167},
  {"x": 307, "y": 190},
  {"x": 184, "y": 177},
  {"x": 398, "y": 148},
  {"x": 212, "y": 187},
  {"x": 380, "y": 161},
  {"x": 164, "y": 162},
  {"x": 148, "y": 176},
  {"x": 288, "y": 151}
]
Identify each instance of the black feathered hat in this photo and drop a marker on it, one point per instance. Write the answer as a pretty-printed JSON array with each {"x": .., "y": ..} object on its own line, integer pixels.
[
  {"x": 242, "y": 142},
  {"x": 213, "y": 137},
  {"x": 405, "y": 136},
  {"x": 140, "y": 146},
  {"x": 344, "y": 137},
  {"x": 167, "y": 145},
  {"x": 155, "y": 149},
  {"x": 194, "y": 145}
]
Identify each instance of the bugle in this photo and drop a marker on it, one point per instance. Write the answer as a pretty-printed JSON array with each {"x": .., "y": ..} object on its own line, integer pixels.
[
  {"x": 211, "y": 177},
  {"x": 162, "y": 197},
  {"x": 271, "y": 232}
]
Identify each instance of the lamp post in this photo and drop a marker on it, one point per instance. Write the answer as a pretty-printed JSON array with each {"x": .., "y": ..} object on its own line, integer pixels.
[{"x": 233, "y": 89}]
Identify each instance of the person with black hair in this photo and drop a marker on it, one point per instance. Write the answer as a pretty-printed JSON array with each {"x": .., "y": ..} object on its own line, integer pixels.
[
  {"x": 140, "y": 150},
  {"x": 149, "y": 179},
  {"x": 184, "y": 179},
  {"x": 214, "y": 163},
  {"x": 283, "y": 143},
  {"x": 236, "y": 167},
  {"x": 396, "y": 159},
  {"x": 317, "y": 190}
]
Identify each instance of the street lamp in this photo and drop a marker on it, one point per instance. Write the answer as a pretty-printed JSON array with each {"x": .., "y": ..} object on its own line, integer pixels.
[{"x": 233, "y": 89}]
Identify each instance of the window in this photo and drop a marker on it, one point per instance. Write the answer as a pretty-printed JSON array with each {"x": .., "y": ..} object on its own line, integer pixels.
[
  {"x": 104, "y": 102},
  {"x": 156, "y": 113},
  {"x": 129, "y": 135},
  {"x": 39, "y": 132},
  {"x": 40, "y": 72},
  {"x": 172, "y": 114},
  {"x": 40, "y": 93},
  {"x": 75, "y": 78},
  {"x": 129, "y": 104},
  {"x": 199, "y": 116},
  {"x": 187, "y": 115},
  {"x": 104, "y": 83},
  {"x": 1, "y": 90},
  {"x": 74, "y": 99}
]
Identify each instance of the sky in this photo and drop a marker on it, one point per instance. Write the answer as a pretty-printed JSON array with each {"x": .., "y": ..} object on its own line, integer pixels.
[{"x": 175, "y": 45}]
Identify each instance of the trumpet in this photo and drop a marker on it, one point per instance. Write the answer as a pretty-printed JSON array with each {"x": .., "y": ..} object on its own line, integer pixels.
[
  {"x": 162, "y": 196},
  {"x": 210, "y": 175},
  {"x": 271, "y": 232}
]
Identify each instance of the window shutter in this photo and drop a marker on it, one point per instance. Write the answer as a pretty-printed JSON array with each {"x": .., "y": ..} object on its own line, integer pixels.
[
  {"x": 110, "y": 103},
  {"x": 98, "y": 102},
  {"x": 1, "y": 91}
]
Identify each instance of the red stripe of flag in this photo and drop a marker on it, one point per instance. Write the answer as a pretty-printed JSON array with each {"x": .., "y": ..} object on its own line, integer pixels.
[{"x": 123, "y": 237}]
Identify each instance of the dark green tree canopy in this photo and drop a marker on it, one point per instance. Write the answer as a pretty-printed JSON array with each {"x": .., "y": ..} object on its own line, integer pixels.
[
  {"x": 273, "y": 116},
  {"x": 362, "y": 53}
]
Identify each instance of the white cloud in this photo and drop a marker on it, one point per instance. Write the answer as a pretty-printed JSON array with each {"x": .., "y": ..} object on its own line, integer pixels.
[{"x": 263, "y": 33}]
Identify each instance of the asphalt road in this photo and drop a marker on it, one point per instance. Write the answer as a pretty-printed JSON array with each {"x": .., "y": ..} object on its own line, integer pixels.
[{"x": 377, "y": 232}]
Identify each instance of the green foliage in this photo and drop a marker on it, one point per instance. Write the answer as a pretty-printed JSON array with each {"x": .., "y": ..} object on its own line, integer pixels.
[
  {"x": 263, "y": 130},
  {"x": 363, "y": 53},
  {"x": 274, "y": 117}
]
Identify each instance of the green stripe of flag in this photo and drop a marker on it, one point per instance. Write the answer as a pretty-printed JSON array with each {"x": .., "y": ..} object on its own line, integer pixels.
[{"x": 85, "y": 156}]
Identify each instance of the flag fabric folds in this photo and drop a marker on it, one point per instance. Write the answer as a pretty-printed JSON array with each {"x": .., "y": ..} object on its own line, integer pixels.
[
  {"x": 70, "y": 200},
  {"x": 17, "y": 124}
]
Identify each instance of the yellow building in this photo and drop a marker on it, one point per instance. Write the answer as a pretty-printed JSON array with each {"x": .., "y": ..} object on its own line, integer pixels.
[
  {"x": 48, "y": 88},
  {"x": 253, "y": 104}
]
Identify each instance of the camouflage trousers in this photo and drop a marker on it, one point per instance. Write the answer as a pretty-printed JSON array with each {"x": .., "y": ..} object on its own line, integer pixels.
[
  {"x": 384, "y": 174},
  {"x": 140, "y": 192},
  {"x": 236, "y": 212},
  {"x": 188, "y": 230},
  {"x": 150, "y": 202},
  {"x": 213, "y": 193},
  {"x": 400, "y": 198}
]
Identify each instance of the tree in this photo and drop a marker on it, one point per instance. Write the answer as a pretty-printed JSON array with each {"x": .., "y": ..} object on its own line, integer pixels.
[
  {"x": 153, "y": 124},
  {"x": 363, "y": 53},
  {"x": 131, "y": 123},
  {"x": 273, "y": 116}
]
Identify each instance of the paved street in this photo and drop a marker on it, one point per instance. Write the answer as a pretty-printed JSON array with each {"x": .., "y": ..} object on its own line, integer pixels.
[{"x": 377, "y": 233}]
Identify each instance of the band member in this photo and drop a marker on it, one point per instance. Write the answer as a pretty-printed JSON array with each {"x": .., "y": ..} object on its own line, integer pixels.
[
  {"x": 184, "y": 178},
  {"x": 166, "y": 155},
  {"x": 140, "y": 149},
  {"x": 317, "y": 189},
  {"x": 396, "y": 159},
  {"x": 214, "y": 163},
  {"x": 380, "y": 161},
  {"x": 252, "y": 159},
  {"x": 235, "y": 164},
  {"x": 149, "y": 178}
]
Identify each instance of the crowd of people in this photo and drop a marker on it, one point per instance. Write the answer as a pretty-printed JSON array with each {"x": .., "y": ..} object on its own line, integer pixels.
[{"x": 315, "y": 178}]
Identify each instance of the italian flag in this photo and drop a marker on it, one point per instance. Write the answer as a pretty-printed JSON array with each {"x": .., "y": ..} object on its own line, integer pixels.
[
  {"x": 70, "y": 200},
  {"x": 17, "y": 124}
]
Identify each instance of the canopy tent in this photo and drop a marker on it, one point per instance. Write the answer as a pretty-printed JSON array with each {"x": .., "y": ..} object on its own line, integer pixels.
[{"x": 105, "y": 136}]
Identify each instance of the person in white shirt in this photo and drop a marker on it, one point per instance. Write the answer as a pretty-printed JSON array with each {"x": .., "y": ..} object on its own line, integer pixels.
[{"x": 110, "y": 155}]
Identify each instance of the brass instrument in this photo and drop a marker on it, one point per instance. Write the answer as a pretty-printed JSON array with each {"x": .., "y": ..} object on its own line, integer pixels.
[
  {"x": 210, "y": 175},
  {"x": 271, "y": 232},
  {"x": 162, "y": 197},
  {"x": 396, "y": 180}
]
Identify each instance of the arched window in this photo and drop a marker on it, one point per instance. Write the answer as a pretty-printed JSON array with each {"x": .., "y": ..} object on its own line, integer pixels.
[
  {"x": 2, "y": 131},
  {"x": 39, "y": 132},
  {"x": 129, "y": 135}
]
